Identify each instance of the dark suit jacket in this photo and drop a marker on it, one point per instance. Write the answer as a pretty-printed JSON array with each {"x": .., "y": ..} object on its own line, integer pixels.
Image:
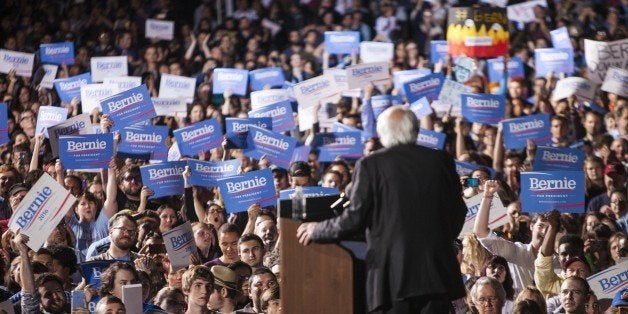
[{"x": 408, "y": 198}]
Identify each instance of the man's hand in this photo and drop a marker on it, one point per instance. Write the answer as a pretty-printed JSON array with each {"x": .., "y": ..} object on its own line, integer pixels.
[
  {"x": 304, "y": 232},
  {"x": 20, "y": 241}
]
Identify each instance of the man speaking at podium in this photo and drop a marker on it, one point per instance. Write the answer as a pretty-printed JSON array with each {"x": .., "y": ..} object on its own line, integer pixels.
[{"x": 408, "y": 199}]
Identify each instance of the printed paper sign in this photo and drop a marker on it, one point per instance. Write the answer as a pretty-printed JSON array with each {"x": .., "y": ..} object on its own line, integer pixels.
[
  {"x": 170, "y": 107},
  {"x": 92, "y": 94},
  {"x": 123, "y": 82},
  {"x": 266, "y": 77},
  {"x": 338, "y": 127},
  {"x": 240, "y": 192},
  {"x": 600, "y": 56},
  {"x": 570, "y": 86},
  {"x": 380, "y": 103},
  {"x": 545, "y": 191},
  {"x": 132, "y": 298},
  {"x": 310, "y": 92},
  {"x": 517, "y": 131},
  {"x": 342, "y": 42},
  {"x": 4, "y": 128},
  {"x": 263, "y": 98},
  {"x": 164, "y": 178},
  {"x": 451, "y": 93},
  {"x": 57, "y": 53},
  {"x": 616, "y": 82},
  {"x": 147, "y": 140},
  {"x": 274, "y": 146},
  {"x": 463, "y": 69},
  {"x": 608, "y": 282},
  {"x": 50, "y": 73},
  {"x": 70, "y": 87},
  {"x": 551, "y": 158},
  {"x": 499, "y": 3},
  {"x": 41, "y": 210},
  {"x": 372, "y": 51},
  {"x": 421, "y": 108},
  {"x": 280, "y": 113},
  {"x": 234, "y": 79},
  {"x": 301, "y": 152},
  {"x": 91, "y": 151},
  {"x": 560, "y": 38},
  {"x": 129, "y": 107},
  {"x": 199, "y": 137},
  {"x": 180, "y": 246},
  {"x": 207, "y": 173},
  {"x": 93, "y": 270},
  {"x": 309, "y": 191},
  {"x": 497, "y": 216},
  {"x": 477, "y": 32},
  {"x": 158, "y": 29},
  {"x": 439, "y": 50},
  {"x": 237, "y": 129},
  {"x": 49, "y": 116},
  {"x": 524, "y": 12},
  {"x": 483, "y": 108},
  {"x": 402, "y": 77},
  {"x": 21, "y": 62},
  {"x": 427, "y": 86},
  {"x": 557, "y": 60},
  {"x": 431, "y": 139},
  {"x": 363, "y": 74},
  {"x": 342, "y": 144},
  {"x": 174, "y": 86},
  {"x": 81, "y": 124},
  {"x": 109, "y": 66}
]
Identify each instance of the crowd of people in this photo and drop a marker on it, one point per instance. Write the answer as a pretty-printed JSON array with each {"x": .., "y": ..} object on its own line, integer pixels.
[{"x": 535, "y": 263}]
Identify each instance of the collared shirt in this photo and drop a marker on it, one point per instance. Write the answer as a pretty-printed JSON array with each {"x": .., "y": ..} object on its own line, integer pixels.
[
  {"x": 520, "y": 258},
  {"x": 30, "y": 304},
  {"x": 547, "y": 281}
]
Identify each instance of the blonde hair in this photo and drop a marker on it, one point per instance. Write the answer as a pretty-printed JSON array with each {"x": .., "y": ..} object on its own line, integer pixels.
[{"x": 474, "y": 255}]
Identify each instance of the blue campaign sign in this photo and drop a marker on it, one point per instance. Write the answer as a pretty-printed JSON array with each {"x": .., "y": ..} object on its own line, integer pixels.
[
  {"x": 207, "y": 173},
  {"x": 57, "y": 53},
  {"x": 431, "y": 139},
  {"x": 428, "y": 86},
  {"x": 421, "y": 108},
  {"x": 380, "y": 103},
  {"x": 240, "y": 192},
  {"x": 70, "y": 87},
  {"x": 465, "y": 168},
  {"x": 4, "y": 123},
  {"x": 301, "y": 152},
  {"x": 439, "y": 49},
  {"x": 164, "y": 178},
  {"x": 402, "y": 77},
  {"x": 49, "y": 116},
  {"x": 90, "y": 151},
  {"x": 339, "y": 144},
  {"x": 92, "y": 270},
  {"x": 309, "y": 191},
  {"x": 129, "y": 107},
  {"x": 557, "y": 60},
  {"x": 338, "y": 127},
  {"x": 146, "y": 141},
  {"x": 552, "y": 158},
  {"x": 560, "y": 38},
  {"x": 496, "y": 69},
  {"x": 272, "y": 77},
  {"x": 483, "y": 108},
  {"x": 545, "y": 191},
  {"x": 281, "y": 114},
  {"x": 517, "y": 131},
  {"x": 277, "y": 148},
  {"x": 237, "y": 129},
  {"x": 198, "y": 137},
  {"x": 234, "y": 79},
  {"x": 342, "y": 42}
]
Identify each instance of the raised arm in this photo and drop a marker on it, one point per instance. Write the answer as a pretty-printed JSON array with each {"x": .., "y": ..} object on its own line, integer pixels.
[
  {"x": 39, "y": 139},
  {"x": 480, "y": 227},
  {"x": 111, "y": 203},
  {"x": 460, "y": 147},
  {"x": 498, "y": 150}
]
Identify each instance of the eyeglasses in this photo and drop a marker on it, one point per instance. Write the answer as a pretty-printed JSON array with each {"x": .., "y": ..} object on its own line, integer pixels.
[
  {"x": 485, "y": 300},
  {"x": 125, "y": 230},
  {"x": 131, "y": 178}
]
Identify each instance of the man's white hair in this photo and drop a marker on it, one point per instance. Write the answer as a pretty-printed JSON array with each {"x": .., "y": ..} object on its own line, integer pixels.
[{"x": 397, "y": 125}]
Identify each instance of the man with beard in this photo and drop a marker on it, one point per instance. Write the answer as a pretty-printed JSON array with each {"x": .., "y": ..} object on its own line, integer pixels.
[
  {"x": 130, "y": 185},
  {"x": 122, "y": 231},
  {"x": 46, "y": 295}
]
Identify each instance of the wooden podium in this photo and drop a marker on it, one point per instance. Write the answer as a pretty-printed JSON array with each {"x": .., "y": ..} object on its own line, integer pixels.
[{"x": 318, "y": 278}]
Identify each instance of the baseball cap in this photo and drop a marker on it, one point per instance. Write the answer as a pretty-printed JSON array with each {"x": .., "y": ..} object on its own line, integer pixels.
[{"x": 615, "y": 168}]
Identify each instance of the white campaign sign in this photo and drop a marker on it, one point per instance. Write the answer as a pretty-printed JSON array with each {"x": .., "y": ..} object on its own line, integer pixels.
[
  {"x": 607, "y": 282},
  {"x": 180, "y": 87},
  {"x": 159, "y": 29},
  {"x": 580, "y": 87},
  {"x": 170, "y": 107},
  {"x": 363, "y": 74},
  {"x": 123, "y": 82},
  {"x": 132, "y": 298},
  {"x": 180, "y": 245},
  {"x": 108, "y": 66},
  {"x": 21, "y": 62},
  {"x": 373, "y": 51},
  {"x": 601, "y": 56},
  {"x": 616, "y": 82},
  {"x": 263, "y": 98},
  {"x": 49, "y": 75},
  {"x": 92, "y": 94},
  {"x": 496, "y": 218},
  {"x": 524, "y": 12},
  {"x": 41, "y": 210}
]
